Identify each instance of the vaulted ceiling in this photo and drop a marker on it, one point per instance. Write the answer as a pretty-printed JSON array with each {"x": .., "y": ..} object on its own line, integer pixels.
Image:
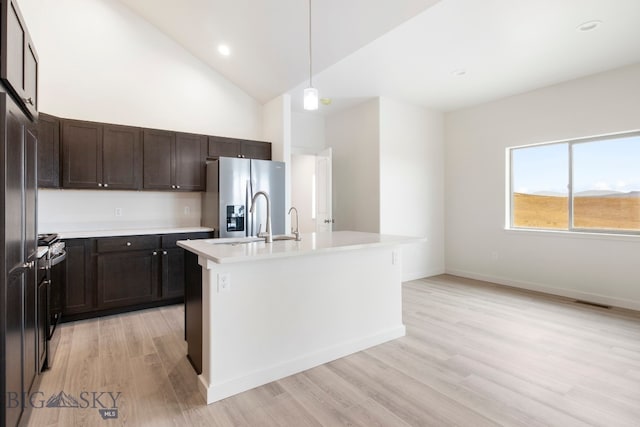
[{"x": 442, "y": 54}]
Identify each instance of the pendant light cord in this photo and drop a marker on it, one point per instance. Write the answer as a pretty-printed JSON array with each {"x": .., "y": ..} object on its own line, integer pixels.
[{"x": 310, "y": 51}]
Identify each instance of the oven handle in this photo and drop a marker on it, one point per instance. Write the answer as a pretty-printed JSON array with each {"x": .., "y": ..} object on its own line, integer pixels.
[{"x": 58, "y": 259}]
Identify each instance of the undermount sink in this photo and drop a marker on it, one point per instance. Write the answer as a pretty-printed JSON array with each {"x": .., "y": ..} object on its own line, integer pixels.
[{"x": 234, "y": 241}]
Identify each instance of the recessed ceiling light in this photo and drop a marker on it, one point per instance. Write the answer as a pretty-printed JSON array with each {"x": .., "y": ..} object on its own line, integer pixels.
[
  {"x": 460, "y": 72},
  {"x": 224, "y": 50},
  {"x": 589, "y": 25}
]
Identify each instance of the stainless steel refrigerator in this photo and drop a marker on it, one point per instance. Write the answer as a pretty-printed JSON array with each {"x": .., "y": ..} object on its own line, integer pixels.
[{"x": 231, "y": 184}]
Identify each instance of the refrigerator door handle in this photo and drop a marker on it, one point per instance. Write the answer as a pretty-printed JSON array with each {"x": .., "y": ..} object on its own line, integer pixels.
[{"x": 249, "y": 216}]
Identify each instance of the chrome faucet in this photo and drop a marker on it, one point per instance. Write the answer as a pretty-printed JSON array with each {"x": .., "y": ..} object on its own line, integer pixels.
[
  {"x": 268, "y": 238},
  {"x": 295, "y": 232}
]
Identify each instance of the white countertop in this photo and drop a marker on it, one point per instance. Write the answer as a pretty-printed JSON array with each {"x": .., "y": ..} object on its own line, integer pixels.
[
  {"x": 130, "y": 232},
  {"x": 231, "y": 250}
]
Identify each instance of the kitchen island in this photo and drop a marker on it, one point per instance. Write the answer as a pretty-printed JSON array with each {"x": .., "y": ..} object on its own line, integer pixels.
[{"x": 267, "y": 311}]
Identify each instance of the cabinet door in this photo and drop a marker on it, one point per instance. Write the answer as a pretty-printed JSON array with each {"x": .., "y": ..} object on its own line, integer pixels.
[
  {"x": 13, "y": 349},
  {"x": 31, "y": 78},
  {"x": 121, "y": 157},
  {"x": 19, "y": 58},
  {"x": 159, "y": 168},
  {"x": 48, "y": 151},
  {"x": 173, "y": 273},
  {"x": 127, "y": 278},
  {"x": 78, "y": 292},
  {"x": 81, "y": 154},
  {"x": 190, "y": 158},
  {"x": 224, "y": 147},
  {"x": 30, "y": 191},
  {"x": 256, "y": 150},
  {"x": 30, "y": 355},
  {"x": 14, "y": 228}
]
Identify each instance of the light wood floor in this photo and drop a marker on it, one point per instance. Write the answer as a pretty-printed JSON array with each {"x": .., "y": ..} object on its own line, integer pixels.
[{"x": 475, "y": 354}]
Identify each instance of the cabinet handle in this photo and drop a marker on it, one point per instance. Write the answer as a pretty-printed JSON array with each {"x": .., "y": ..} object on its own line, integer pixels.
[
  {"x": 106, "y": 185},
  {"x": 99, "y": 184},
  {"x": 177, "y": 186},
  {"x": 155, "y": 253},
  {"x": 164, "y": 252},
  {"x": 128, "y": 243},
  {"x": 28, "y": 100},
  {"x": 173, "y": 186}
]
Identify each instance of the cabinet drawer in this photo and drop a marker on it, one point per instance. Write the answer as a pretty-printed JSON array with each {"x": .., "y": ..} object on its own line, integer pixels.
[
  {"x": 127, "y": 243},
  {"x": 169, "y": 240}
]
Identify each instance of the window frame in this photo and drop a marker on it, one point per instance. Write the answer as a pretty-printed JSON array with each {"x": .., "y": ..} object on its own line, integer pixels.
[{"x": 570, "y": 144}]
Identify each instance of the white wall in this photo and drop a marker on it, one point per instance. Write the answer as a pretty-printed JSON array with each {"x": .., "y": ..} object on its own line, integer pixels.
[
  {"x": 592, "y": 267},
  {"x": 276, "y": 128},
  {"x": 100, "y": 61},
  {"x": 354, "y": 136},
  {"x": 74, "y": 210},
  {"x": 412, "y": 183},
  {"x": 307, "y": 133}
]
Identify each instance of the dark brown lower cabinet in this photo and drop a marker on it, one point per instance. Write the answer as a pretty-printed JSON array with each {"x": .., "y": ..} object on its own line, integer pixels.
[
  {"x": 79, "y": 290},
  {"x": 173, "y": 273},
  {"x": 117, "y": 274},
  {"x": 127, "y": 278}
]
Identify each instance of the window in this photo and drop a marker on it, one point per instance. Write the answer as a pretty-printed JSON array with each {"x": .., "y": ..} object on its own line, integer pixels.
[{"x": 581, "y": 185}]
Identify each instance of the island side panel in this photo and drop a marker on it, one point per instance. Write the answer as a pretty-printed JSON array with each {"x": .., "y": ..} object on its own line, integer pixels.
[
  {"x": 285, "y": 315},
  {"x": 193, "y": 310}
]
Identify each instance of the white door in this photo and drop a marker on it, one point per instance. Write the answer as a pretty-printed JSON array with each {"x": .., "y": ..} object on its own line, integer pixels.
[{"x": 324, "y": 214}]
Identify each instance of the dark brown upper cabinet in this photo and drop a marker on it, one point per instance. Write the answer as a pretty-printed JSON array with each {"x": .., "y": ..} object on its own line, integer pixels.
[
  {"x": 81, "y": 154},
  {"x": 174, "y": 161},
  {"x": 48, "y": 151},
  {"x": 98, "y": 156},
  {"x": 190, "y": 160},
  {"x": 121, "y": 157},
  {"x": 159, "y": 167},
  {"x": 230, "y": 147},
  {"x": 19, "y": 60}
]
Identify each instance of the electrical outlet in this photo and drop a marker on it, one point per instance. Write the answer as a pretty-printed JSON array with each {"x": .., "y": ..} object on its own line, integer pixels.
[
  {"x": 118, "y": 211},
  {"x": 224, "y": 282},
  {"x": 187, "y": 210},
  {"x": 395, "y": 257}
]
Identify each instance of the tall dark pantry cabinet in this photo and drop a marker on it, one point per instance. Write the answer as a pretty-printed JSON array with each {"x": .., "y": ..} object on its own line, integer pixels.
[{"x": 18, "y": 235}]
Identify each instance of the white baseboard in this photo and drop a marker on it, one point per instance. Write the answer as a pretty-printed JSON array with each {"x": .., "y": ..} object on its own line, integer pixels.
[
  {"x": 407, "y": 277},
  {"x": 215, "y": 392},
  {"x": 539, "y": 287}
]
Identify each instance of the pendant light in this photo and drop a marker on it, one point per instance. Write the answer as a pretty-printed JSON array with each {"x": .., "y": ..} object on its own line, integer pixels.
[{"x": 310, "y": 93}]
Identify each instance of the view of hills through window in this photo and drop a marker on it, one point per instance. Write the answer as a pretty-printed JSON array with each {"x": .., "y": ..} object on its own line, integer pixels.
[{"x": 601, "y": 177}]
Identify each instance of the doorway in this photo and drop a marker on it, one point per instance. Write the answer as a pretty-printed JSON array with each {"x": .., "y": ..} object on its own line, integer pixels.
[{"x": 311, "y": 190}]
